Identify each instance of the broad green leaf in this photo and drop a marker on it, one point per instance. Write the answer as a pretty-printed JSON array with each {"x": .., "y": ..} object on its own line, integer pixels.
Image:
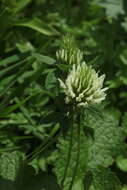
[
  {"x": 108, "y": 140},
  {"x": 38, "y": 25}
]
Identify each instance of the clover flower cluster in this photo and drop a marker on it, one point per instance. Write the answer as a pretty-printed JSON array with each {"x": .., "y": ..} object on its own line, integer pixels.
[{"x": 83, "y": 86}]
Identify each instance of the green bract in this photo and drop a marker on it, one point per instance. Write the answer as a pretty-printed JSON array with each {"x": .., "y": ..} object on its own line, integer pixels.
[{"x": 83, "y": 86}]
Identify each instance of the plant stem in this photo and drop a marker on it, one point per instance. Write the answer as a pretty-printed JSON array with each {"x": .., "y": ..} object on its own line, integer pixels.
[
  {"x": 78, "y": 156},
  {"x": 70, "y": 146}
]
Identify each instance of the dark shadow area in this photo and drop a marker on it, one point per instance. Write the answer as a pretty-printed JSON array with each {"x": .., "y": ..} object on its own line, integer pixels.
[
  {"x": 27, "y": 180},
  {"x": 6, "y": 184}
]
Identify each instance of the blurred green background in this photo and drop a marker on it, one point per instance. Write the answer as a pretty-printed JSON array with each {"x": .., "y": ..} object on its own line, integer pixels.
[{"x": 30, "y": 35}]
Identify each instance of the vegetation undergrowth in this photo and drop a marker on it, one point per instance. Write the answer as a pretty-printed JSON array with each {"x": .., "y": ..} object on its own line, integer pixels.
[{"x": 63, "y": 99}]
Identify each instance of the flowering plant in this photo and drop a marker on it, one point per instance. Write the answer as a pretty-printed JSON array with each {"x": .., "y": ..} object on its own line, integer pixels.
[{"x": 82, "y": 86}]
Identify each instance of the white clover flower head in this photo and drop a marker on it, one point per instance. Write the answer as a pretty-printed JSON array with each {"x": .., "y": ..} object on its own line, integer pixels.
[{"x": 83, "y": 86}]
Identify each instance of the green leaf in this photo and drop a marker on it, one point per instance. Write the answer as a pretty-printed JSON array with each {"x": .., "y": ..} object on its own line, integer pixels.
[
  {"x": 50, "y": 81},
  {"x": 122, "y": 163},
  {"x": 39, "y": 26},
  {"x": 12, "y": 59},
  {"x": 104, "y": 179},
  {"x": 20, "y": 5},
  {"x": 108, "y": 140},
  {"x": 25, "y": 47},
  {"x": 10, "y": 164},
  {"x": 44, "y": 59},
  {"x": 113, "y": 7},
  {"x": 42, "y": 163},
  {"x": 5, "y": 82},
  {"x": 26, "y": 75}
]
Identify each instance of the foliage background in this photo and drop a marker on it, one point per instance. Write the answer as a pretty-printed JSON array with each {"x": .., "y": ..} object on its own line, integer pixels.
[{"x": 32, "y": 115}]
